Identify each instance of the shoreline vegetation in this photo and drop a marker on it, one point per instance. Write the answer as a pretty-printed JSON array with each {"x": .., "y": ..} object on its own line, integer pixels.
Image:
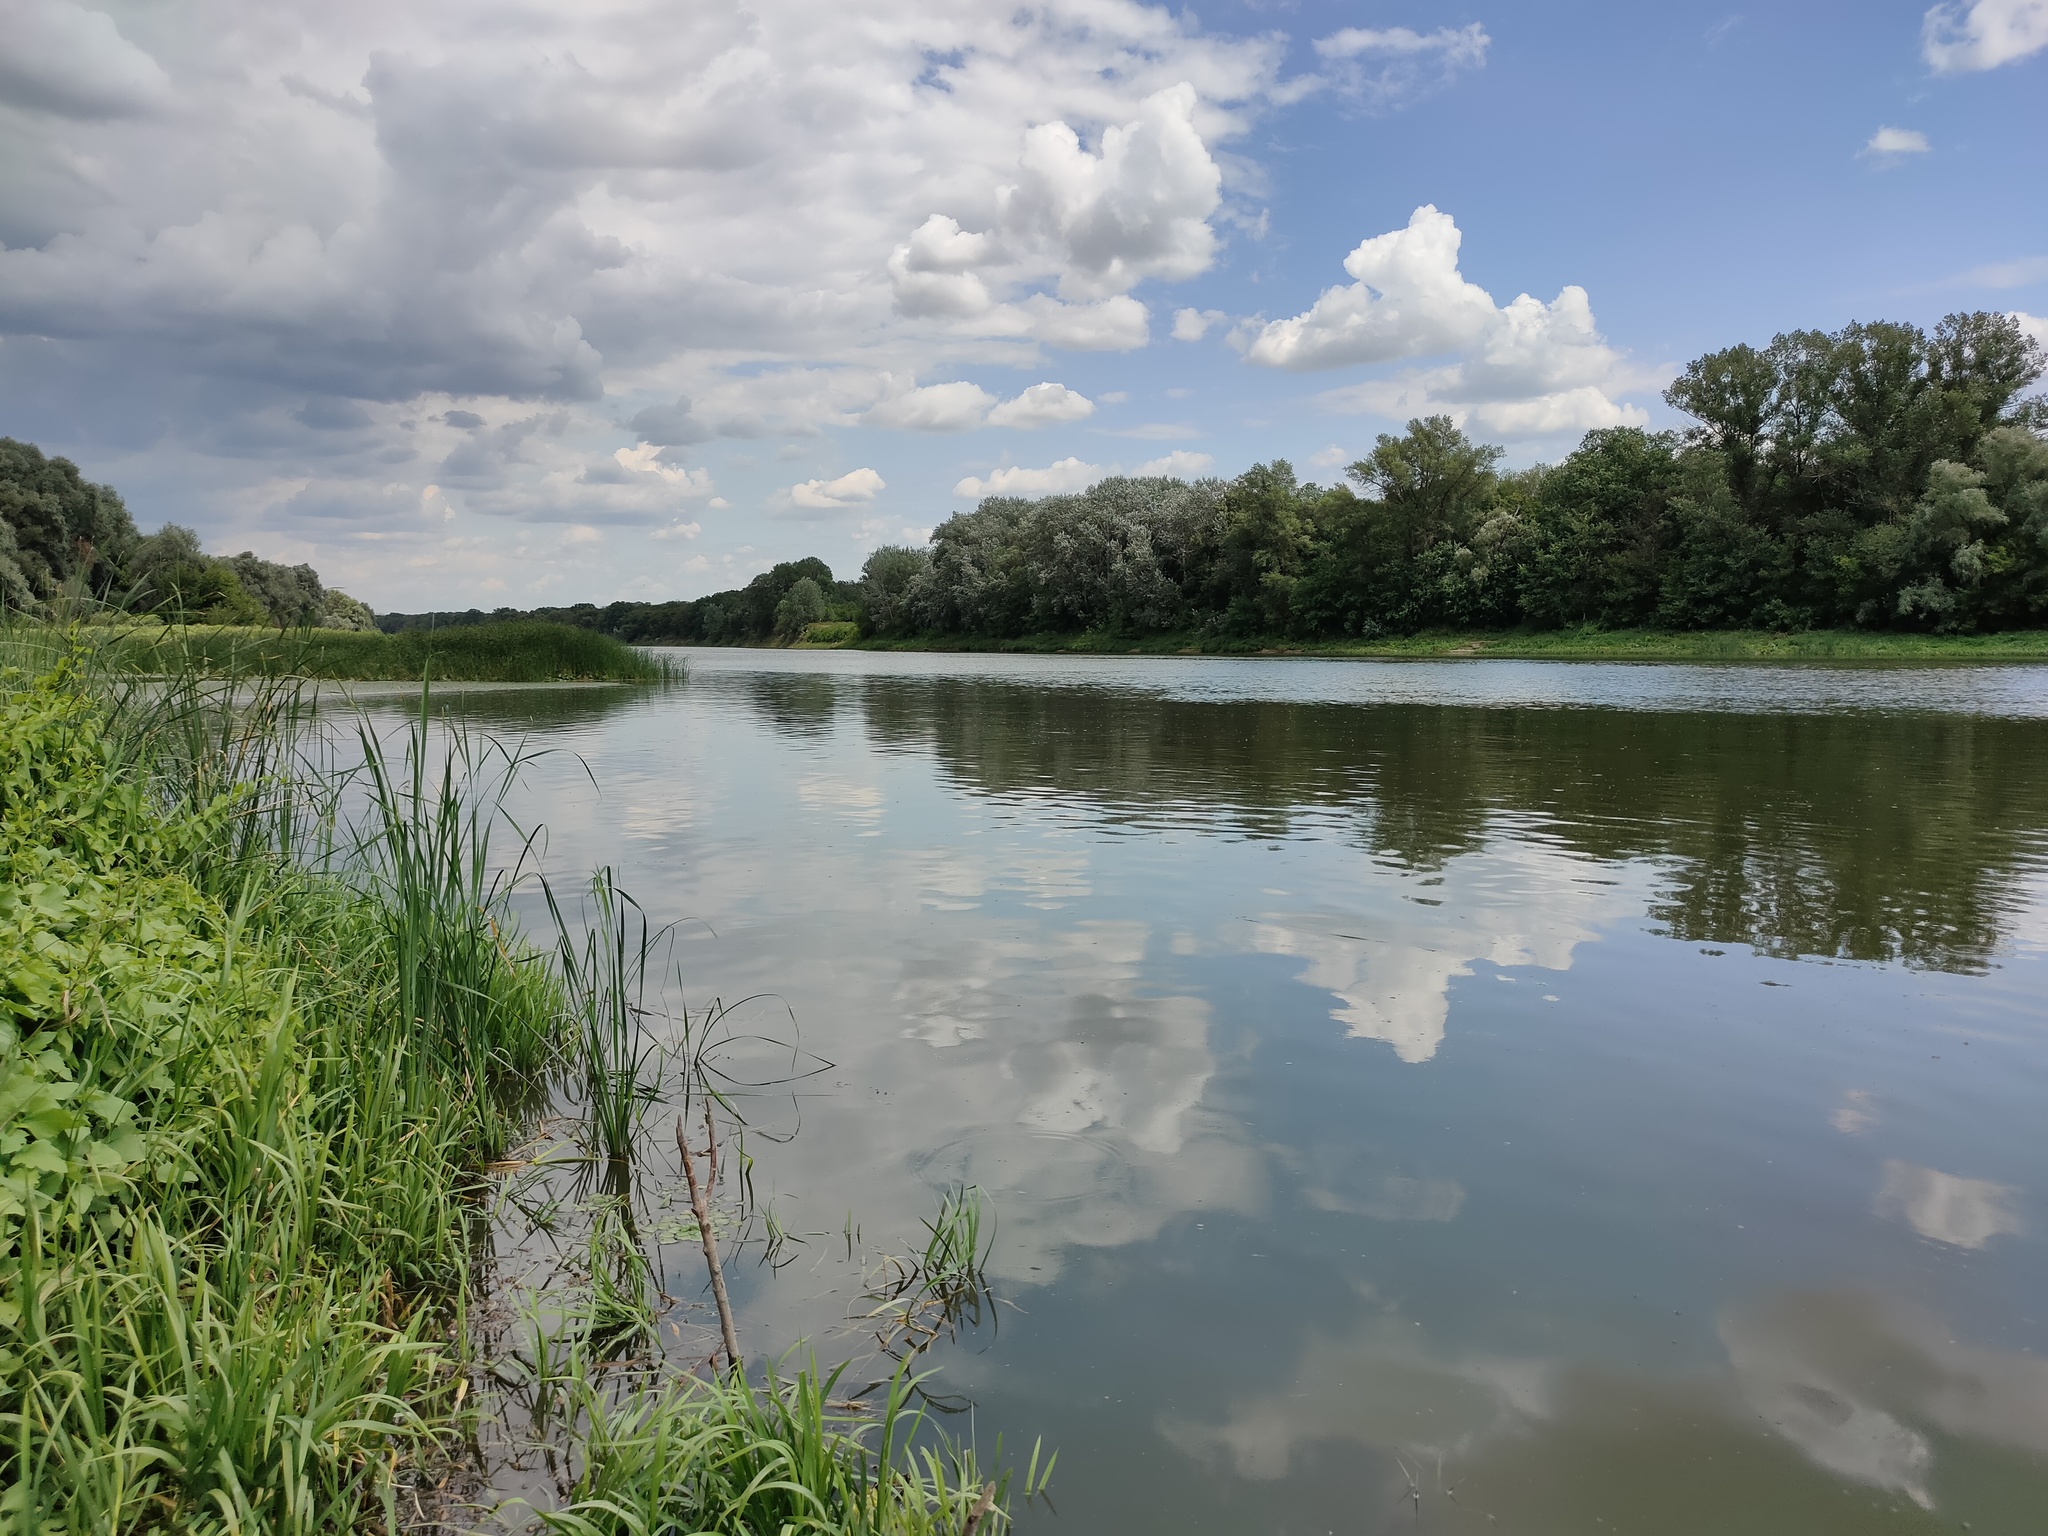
[
  {"x": 260, "y": 1071},
  {"x": 1881, "y": 479},
  {"x": 1522, "y": 645},
  {"x": 525, "y": 651}
]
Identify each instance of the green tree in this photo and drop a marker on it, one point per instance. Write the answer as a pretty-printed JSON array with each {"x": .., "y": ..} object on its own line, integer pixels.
[
  {"x": 63, "y": 526},
  {"x": 1602, "y": 528},
  {"x": 887, "y": 581},
  {"x": 803, "y": 604}
]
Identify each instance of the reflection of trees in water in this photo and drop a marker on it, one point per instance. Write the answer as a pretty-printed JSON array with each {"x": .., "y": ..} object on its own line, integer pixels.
[
  {"x": 1854, "y": 835},
  {"x": 792, "y": 703},
  {"x": 505, "y": 711}
]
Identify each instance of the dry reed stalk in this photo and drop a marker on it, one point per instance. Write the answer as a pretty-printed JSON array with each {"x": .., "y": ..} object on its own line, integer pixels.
[{"x": 703, "y": 1214}]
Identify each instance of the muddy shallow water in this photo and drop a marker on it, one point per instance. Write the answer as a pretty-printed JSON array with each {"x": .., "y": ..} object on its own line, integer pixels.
[{"x": 1445, "y": 1096}]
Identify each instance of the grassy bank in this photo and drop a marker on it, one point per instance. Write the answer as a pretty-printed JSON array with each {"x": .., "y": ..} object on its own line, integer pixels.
[
  {"x": 519, "y": 652},
  {"x": 249, "y": 1105},
  {"x": 1553, "y": 645}
]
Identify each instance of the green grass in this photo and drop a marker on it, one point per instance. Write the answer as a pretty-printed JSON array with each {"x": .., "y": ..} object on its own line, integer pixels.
[
  {"x": 524, "y": 651},
  {"x": 252, "y": 1065},
  {"x": 1557, "y": 645},
  {"x": 827, "y": 633}
]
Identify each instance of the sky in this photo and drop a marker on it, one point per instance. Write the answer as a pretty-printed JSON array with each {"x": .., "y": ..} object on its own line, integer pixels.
[{"x": 486, "y": 302}]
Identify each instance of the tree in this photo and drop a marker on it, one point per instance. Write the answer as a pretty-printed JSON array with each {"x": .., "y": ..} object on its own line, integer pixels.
[
  {"x": 802, "y": 605},
  {"x": 1734, "y": 395},
  {"x": 886, "y": 581},
  {"x": 1433, "y": 483},
  {"x": 63, "y": 526},
  {"x": 290, "y": 594}
]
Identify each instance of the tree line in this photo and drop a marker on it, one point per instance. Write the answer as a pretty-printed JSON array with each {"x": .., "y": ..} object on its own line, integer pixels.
[
  {"x": 63, "y": 537},
  {"x": 1880, "y": 476}
]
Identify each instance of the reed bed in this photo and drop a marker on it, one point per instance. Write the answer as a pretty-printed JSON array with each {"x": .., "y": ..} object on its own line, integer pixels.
[
  {"x": 255, "y": 1067},
  {"x": 521, "y": 651}
]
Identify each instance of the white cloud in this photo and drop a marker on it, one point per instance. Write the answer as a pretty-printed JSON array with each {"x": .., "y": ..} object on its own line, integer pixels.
[
  {"x": 1042, "y": 405},
  {"x": 854, "y": 486},
  {"x": 1120, "y": 324},
  {"x": 1331, "y": 457},
  {"x": 1524, "y": 369},
  {"x": 685, "y": 218},
  {"x": 1983, "y": 34},
  {"x": 1014, "y": 480},
  {"x": 677, "y": 531},
  {"x": 1193, "y": 324},
  {"x": 935, "y": 408},
  {"x": 645, "y": 459},
  {"x": 1072, "y": 474},
  {"x": 1890, "y": 143},
  {"x": 2035, "y": 326},
  {"x": 1387, "y": 67},
  {"x": 1095, "y": 223},
  {"x": 1179, "y": 465}
]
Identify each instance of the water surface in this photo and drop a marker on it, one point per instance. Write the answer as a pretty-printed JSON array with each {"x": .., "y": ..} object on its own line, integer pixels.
[{"x": 1444, "y": 1096}]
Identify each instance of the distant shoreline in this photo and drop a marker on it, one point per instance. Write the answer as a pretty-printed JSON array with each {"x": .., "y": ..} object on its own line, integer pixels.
[{"x": 1541, "y": 645}]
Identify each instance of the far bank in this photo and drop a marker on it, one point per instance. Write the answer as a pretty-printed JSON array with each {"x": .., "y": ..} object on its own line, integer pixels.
[{"x": 1526, "y": 645}]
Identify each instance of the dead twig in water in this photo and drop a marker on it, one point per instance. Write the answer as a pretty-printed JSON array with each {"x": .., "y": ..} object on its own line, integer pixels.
[{"x": 703, "y": 1214}]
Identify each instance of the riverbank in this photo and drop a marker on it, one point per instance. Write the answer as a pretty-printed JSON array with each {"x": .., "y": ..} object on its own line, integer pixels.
[
  {"x": 1539, "y": 645},
  {"x": 251, "y": 1112},
  {"x": 522, "y": 651}
]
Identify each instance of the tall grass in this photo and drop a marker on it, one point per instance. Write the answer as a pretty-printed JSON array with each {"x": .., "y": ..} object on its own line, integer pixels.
[
  {"x": 231, "y": 1220},
  {"x": 773, "y": 1459},
  {"x": 522, "y": 651},
  {"x": 253, "y": 1062}
]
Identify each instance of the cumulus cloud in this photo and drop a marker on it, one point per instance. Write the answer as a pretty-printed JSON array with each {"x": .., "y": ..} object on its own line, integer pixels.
[
  {"x": 68, "y": 61},
  {"x": 1067, "y": 474},
  {"x": 2035, "y": 326},
  {"x": 1179, "y": 465},
  {"x": 1193, "y": 324},
  {"x": 1524, "y": 369},
  {"x": 646, "y": 460},
  {"x": 1095, "y": 223},
  {"x": 736, "y": 220},
  {"x": 954, "y": 407},
  {"x": 1388, "y": 67},
  {"x": 1983, "y": 34},
  {"x": 854, "y": 486},
  {"x": 1042, "y": 405},
  {"x": 1892, "y": 143},
  {"x": 961, "y": 407},
  {"x": 1072, "y": 474}
]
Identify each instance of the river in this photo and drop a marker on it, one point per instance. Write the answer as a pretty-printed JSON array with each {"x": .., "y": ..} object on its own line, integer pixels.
[{"x": 1411, "y": 1096}]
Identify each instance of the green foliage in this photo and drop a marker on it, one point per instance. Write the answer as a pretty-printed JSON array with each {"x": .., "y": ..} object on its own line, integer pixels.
[
  {"x": 775, "y": 1459},
  {"x": 517, "y": 652},
  {"x": 802, "y": 605},
  {"x": 60, "y": 528},
  {"x": 231, "y": 1159},
  {"x": 1880, "y": 476}
]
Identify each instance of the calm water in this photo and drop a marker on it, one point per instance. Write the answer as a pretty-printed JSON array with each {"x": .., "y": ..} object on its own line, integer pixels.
[{"x": 1595, "y": 1099}]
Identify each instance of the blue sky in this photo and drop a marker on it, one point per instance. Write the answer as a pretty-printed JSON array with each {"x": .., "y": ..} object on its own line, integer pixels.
[{"x": 488, "y": 303}]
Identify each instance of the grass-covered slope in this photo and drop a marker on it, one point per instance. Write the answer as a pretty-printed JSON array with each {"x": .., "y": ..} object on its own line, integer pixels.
[{"x": 523, "y": 651}]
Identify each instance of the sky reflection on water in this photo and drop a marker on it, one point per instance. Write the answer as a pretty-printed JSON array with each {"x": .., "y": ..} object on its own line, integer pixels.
[{"x": 1565, "y": 1093}]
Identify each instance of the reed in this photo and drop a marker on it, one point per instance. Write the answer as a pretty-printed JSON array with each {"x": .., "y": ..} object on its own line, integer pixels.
[
  {"x": 776, "y": 1458},
  {"x": 522, "y": 651},
  {"x": 266, "y": 1019}
]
